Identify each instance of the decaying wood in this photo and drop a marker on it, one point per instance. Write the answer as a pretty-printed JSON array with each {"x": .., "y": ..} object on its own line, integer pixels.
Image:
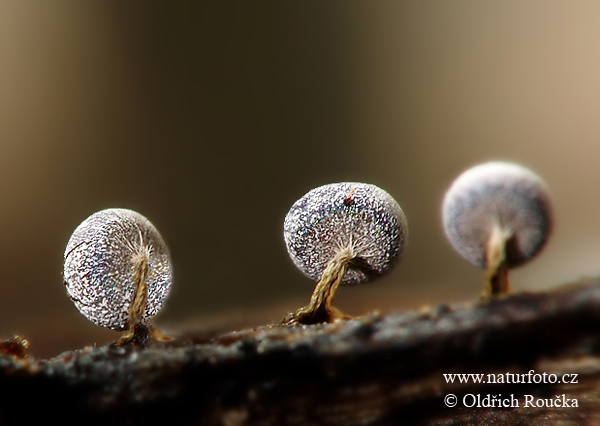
[{"x": 373, "y": 370}]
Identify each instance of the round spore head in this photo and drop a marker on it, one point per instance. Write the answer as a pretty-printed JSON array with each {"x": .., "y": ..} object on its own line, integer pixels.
[
  {"x": 340, "y": 215},
  {"x": 99, "y": 266},
  {"x": 497, "y": 194}
]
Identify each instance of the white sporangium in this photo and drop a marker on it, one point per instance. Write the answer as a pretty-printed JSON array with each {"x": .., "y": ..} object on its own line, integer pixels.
[
  {"x": 342, "y": 233},
  {"x": 117, "y": 269}
]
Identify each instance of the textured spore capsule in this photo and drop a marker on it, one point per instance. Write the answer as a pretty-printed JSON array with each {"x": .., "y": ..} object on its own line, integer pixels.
[
  {"x": 117, "y": 269},
  {"x": 357, "y": 226},
  {"x": 497, "y": 215}
]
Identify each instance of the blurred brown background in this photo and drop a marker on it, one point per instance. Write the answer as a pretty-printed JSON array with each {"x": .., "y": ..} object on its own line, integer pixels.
[{"x": 213, "y": 119}]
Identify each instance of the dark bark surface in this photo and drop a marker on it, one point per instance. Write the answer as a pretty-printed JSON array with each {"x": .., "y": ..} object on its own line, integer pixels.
[{"x": 373, "y": 370}]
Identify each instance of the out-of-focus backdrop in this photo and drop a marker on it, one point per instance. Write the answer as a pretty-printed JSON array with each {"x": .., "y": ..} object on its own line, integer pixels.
[{"x": 212, "y": 119}]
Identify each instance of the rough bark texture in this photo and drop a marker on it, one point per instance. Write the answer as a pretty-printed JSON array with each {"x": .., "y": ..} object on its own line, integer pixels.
[{"x": 374, "y": 370}]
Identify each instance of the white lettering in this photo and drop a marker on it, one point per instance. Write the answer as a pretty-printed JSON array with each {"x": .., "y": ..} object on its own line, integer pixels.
[
  {"x": 472, "y": 398},
  {"x": 559, "y": 401}
]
